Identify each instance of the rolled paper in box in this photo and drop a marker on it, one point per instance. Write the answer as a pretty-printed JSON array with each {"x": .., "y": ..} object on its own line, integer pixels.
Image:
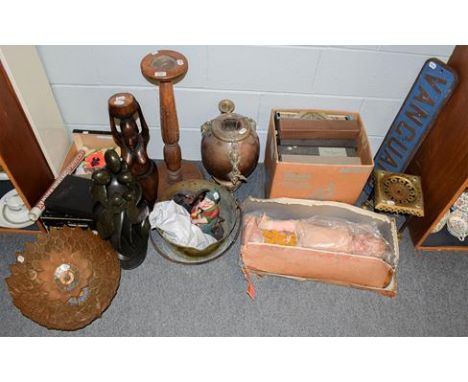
[{"x": 39, "y": 208}]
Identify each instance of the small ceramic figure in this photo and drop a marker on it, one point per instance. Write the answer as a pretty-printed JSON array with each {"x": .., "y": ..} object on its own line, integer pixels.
[
  {"x": 205, "y": 212},
  {"x": 457, "y": 224}
]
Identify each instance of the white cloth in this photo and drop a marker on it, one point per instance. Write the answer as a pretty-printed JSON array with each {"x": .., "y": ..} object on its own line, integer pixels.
[{"x": 174, "y": 220}]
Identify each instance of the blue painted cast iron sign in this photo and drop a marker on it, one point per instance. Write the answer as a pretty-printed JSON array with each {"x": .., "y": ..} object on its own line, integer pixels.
[{"x": 432, "y": 88}]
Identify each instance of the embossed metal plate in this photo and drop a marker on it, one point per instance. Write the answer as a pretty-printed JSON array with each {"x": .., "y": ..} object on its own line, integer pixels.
[{"x": 398, "y": 193}]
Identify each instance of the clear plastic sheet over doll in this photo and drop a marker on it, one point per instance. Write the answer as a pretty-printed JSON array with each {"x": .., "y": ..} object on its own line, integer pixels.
[{"x": 320, "y": 233}]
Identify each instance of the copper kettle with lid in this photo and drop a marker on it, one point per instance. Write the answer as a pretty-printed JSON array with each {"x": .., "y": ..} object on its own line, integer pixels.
[{"x": 230, "y": 146}]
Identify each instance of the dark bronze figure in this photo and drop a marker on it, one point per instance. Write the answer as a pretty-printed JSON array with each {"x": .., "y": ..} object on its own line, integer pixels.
[
  {"x": 133, "y": 142},
  {"x": 121, "y": 212}
]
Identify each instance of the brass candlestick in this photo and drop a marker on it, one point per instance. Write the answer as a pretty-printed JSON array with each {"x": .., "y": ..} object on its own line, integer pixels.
[{"x": 164, "y": 68}]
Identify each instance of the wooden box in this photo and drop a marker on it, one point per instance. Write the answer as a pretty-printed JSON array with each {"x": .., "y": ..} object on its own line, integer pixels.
[
  {"x": 365, "y": 272},
  {"x": 21, "y": 156},
  {"x": 339, "y": 180},
  {"x": 442, "y": 164}
]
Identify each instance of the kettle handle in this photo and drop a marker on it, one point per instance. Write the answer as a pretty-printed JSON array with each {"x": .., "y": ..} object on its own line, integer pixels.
[
  {"x": 234, "y": 156},
  {"x": 206, "y": 128}
]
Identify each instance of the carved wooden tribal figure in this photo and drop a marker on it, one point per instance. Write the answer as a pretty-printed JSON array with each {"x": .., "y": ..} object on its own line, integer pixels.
[
  {"x": 133, "y": 142},
  {"x": 164, "y": 68}
]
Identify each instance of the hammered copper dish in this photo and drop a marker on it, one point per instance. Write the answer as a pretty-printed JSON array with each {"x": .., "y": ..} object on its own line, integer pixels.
[{"x": 64, "y": 280}]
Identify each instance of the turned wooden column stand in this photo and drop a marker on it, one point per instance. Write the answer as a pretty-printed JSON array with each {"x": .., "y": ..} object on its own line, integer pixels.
[{"x": 164, "y": 68}]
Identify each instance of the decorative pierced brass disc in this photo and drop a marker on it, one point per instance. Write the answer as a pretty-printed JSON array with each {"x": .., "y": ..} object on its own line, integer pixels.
[
  {"x": 66, "y": 279},
  {"x": 399, "y": 189},
  {"x": 398, "y": 193}
]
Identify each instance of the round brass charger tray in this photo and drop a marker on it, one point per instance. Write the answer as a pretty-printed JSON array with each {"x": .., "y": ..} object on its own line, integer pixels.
[
  {"x": 231, "y": 214},
  {"x": 176, "y": 255}
]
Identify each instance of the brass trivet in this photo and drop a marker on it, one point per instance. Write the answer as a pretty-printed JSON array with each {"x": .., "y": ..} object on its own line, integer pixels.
[{"x": 398, "y": 193}]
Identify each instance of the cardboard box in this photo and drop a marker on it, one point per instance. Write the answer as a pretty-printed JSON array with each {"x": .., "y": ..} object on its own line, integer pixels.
[
  {"x": 94, "y": 140},
  {"x": 360, "y": 271},
  {"x": 304, "y": 179}
]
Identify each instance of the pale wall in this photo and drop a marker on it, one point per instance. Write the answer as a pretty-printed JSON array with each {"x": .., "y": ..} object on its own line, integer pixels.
[{"x": 373, "y": 80}]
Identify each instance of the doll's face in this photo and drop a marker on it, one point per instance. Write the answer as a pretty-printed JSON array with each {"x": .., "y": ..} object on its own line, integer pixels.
[{"x": 206, "y": 204}]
